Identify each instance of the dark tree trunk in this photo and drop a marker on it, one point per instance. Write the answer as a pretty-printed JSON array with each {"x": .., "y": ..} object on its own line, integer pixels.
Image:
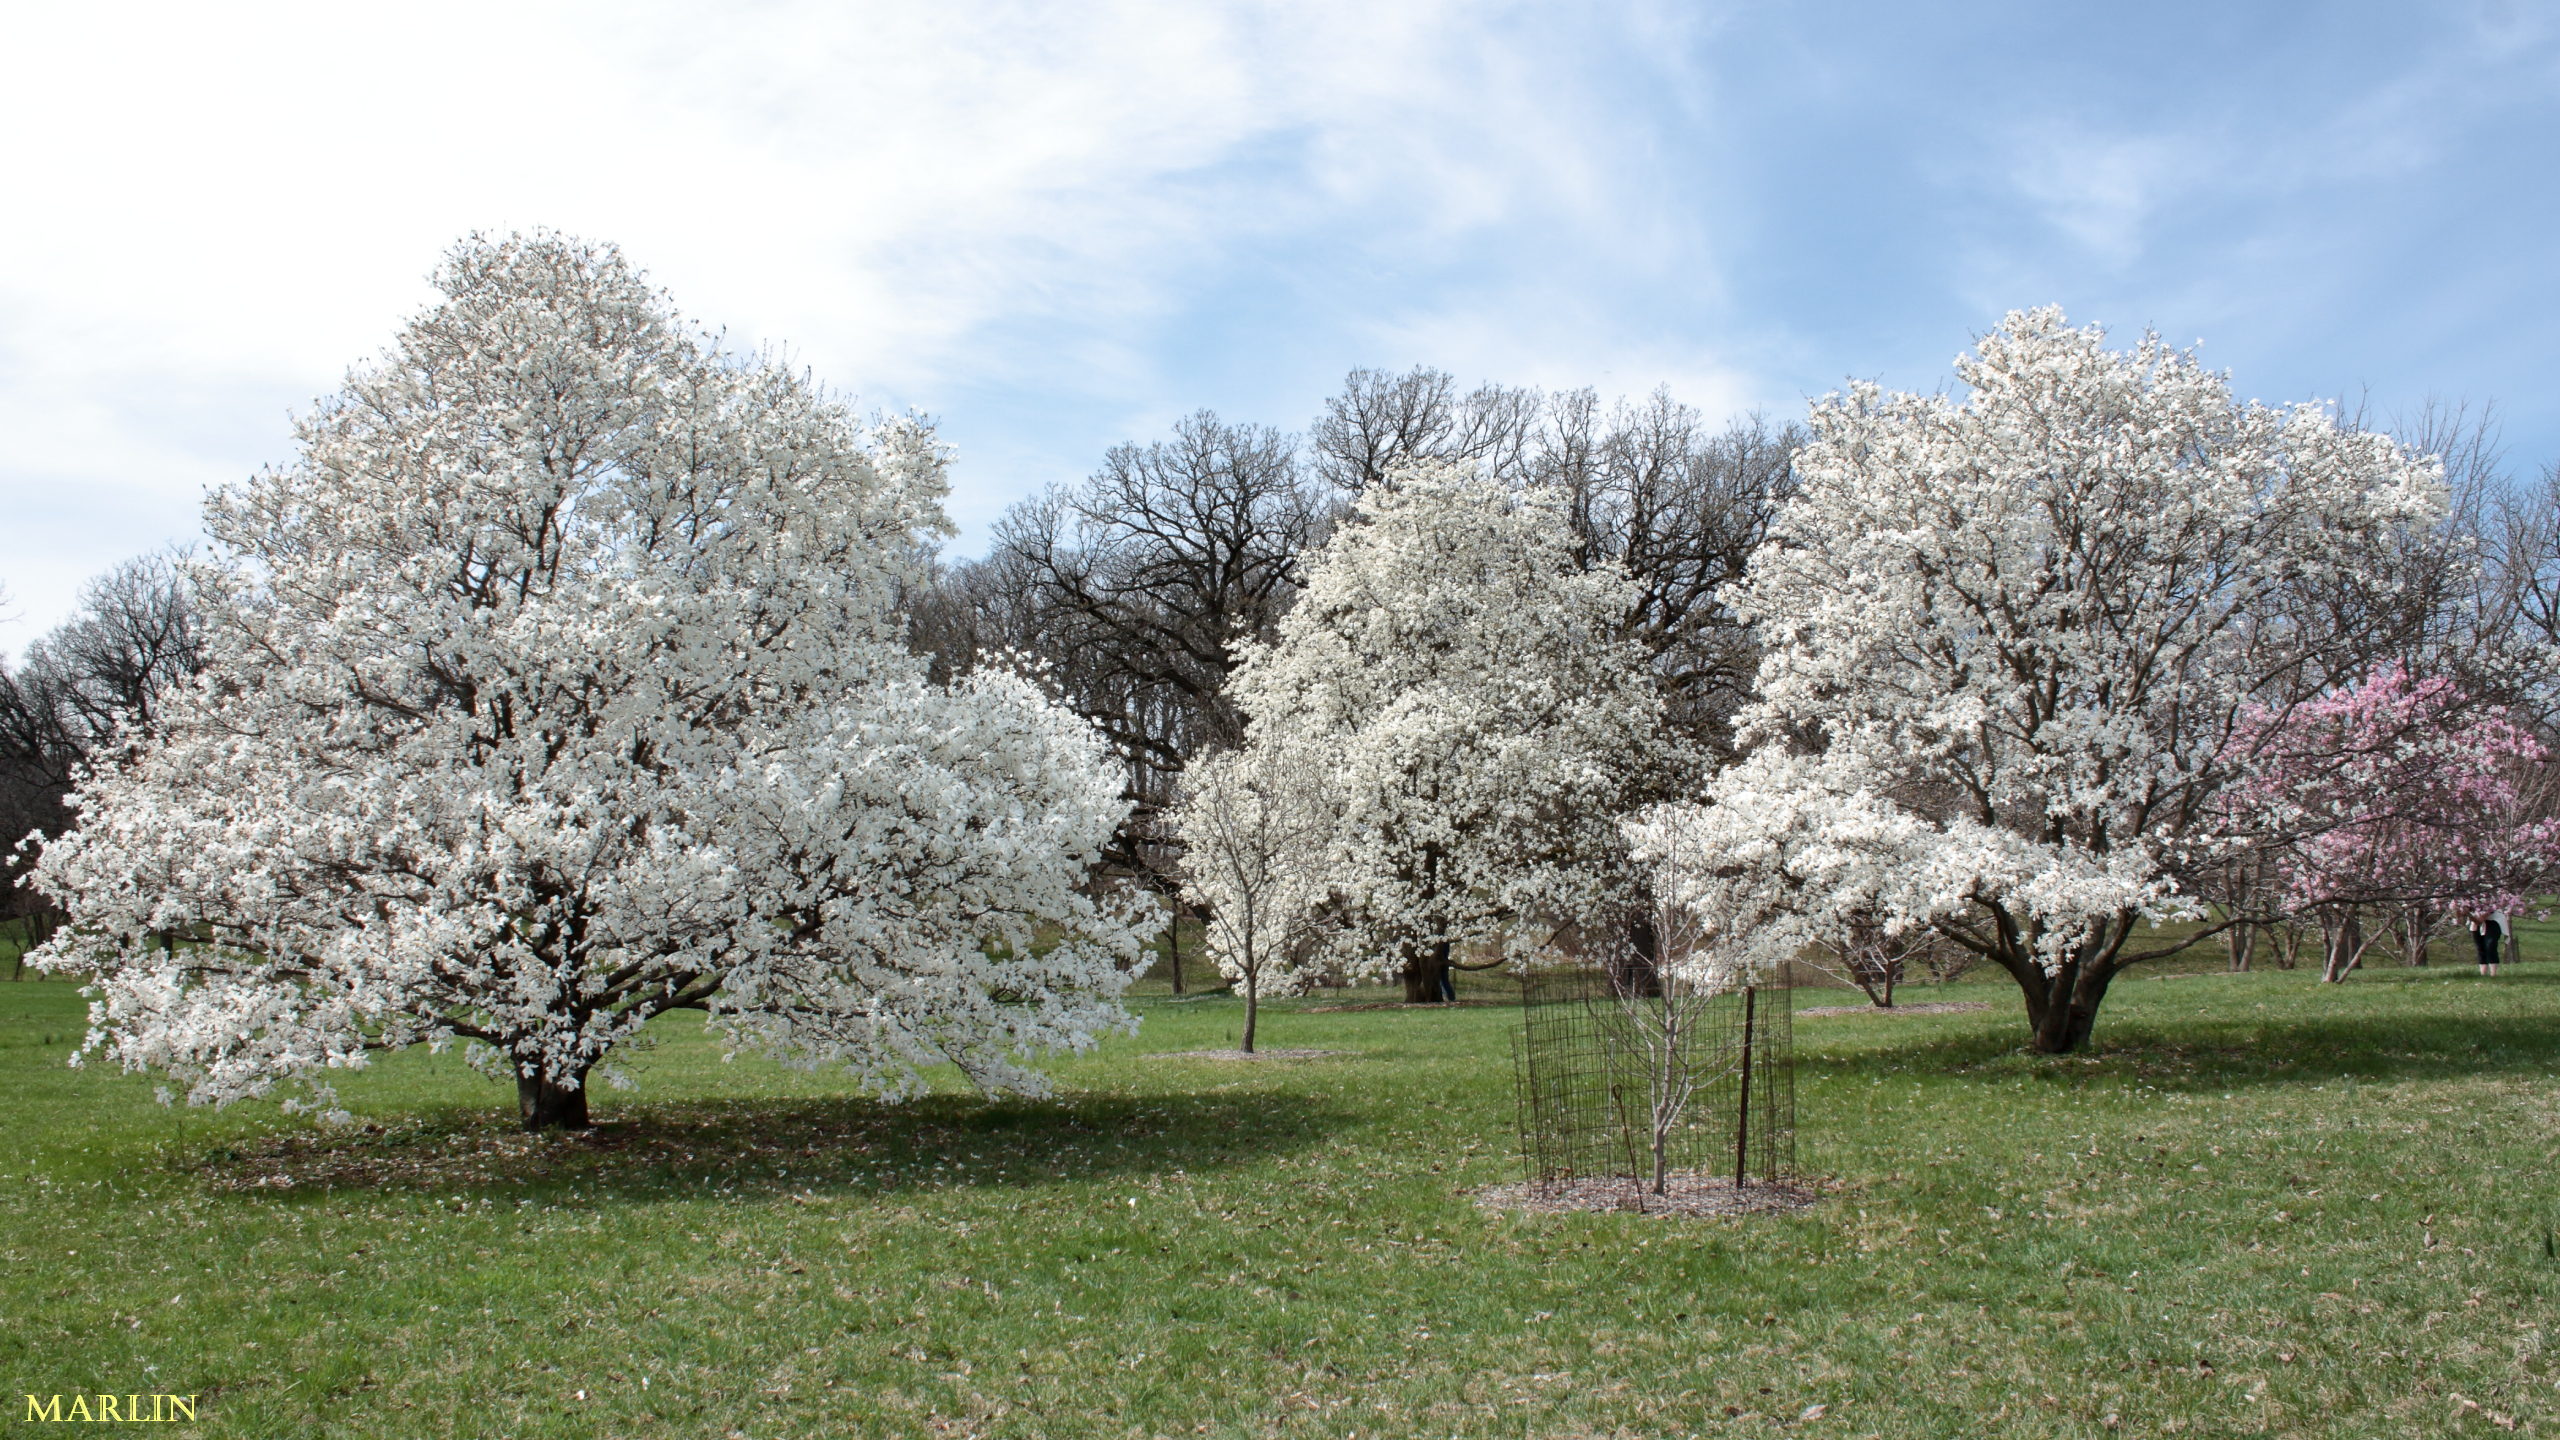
[
  {"x": 1173, "y": 952},
  {"x": 2286, "y": 946},
  {"x": 2243, "y": 940},
  {"x": 2344, "y": 947},
  {"x": 546, "y": 1104},
  {"x": 1635, "y": 969},
  {"x": 36, "y": 927},
  {"x": 2062, "y": 1007},
  {"x": 1742, "y": 1100},
  {"x": 1426, "y": 973},
  {"x": 1252, "y": 1012}
]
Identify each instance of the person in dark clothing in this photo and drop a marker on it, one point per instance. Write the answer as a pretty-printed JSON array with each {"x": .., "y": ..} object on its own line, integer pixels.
[{"x": 2484, "y": 941}]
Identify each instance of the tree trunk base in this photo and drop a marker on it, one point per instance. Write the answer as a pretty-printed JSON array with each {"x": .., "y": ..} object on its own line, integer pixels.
[
  {"x": 1427, "y": 977},
  {"x": 2062, "y": 1013},
  {"x": 546, "y": 1104}
]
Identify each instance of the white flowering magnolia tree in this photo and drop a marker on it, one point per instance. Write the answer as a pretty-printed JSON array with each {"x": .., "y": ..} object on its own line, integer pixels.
[
  {"x": 2009, "y": 636},
  {"x": 556, "y": 686},
  {"x": 1249, "y": 828},
  {"x": 1462, "y": 700}
]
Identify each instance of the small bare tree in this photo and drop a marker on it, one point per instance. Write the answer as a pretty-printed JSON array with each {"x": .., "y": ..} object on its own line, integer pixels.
[
  {"x": 1870, "y": 956},
  {"x": 1663, "y": 1015}
]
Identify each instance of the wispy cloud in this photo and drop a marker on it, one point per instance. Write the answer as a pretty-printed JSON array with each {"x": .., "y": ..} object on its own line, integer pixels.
[
  {"x": 920, "y": 200},
  {"x": 2101, "y": 191},
  {"x": 1059, "y": 226}
]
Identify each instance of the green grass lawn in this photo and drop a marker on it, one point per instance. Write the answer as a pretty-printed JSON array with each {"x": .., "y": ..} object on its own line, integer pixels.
[{"x": 2262, "y": 1207}]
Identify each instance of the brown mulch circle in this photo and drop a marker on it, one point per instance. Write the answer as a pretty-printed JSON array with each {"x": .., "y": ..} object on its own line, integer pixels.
[
  {"x": 1242, "y": 1054},
  {"x": 1925, "y": 1007},
  {"x": 1689, "y": 1195}
]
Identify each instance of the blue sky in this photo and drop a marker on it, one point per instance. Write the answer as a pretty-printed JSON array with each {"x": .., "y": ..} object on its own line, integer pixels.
[{"x": 1058, "y": 227}]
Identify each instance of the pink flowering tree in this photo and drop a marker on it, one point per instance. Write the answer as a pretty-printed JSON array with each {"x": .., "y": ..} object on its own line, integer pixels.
[{"x": 2392, "y": 807}]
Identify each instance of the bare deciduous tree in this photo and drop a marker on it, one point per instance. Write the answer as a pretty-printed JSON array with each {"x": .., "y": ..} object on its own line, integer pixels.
[
  {"x": 133, "y": 636},
  {"x": 1381, "y": 422},
  {"x": 1681, "y": 506},
  {"x": 1133, "y": 588}
]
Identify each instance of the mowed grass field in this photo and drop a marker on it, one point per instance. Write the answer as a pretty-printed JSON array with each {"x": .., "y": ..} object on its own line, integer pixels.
[{"x": 2261, "y": 1207}]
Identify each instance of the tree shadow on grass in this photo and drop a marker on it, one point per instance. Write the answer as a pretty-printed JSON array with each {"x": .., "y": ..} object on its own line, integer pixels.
[
  {"x": 767, "y": 1147},
  {"x": 2227, "y": 1055},
  {"x": 2222, "y": 1052}
]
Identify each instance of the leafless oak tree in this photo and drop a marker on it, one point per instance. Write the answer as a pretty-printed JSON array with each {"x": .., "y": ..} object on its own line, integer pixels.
[
  {"x": 1133, "y": 588},
  {"x": 133, "y": 636}
]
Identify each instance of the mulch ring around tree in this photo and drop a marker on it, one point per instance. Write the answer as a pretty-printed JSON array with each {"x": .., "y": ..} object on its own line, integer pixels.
[
  {"x": 1925, "y": 1007},
  {"x": 1243, "y": 1054},
  {"x": 1685, "y": 1194}
]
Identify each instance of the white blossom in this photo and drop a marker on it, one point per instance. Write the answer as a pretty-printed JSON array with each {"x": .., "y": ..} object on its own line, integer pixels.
[
  {"x": 1248, "y": 827},
  {"x": 2008, "y": 636},
  {"x": 1464, "y": 701},
  {"x": 558, "y": 684}
]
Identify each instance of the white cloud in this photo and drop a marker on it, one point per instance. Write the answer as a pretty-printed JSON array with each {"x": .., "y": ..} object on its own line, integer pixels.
[
  {"x": 2099, "y": 190},
  {"x": 1554, "y": 344},
  {"x": 2287, "y": 173},
  {"x": 239, "y": 202}
]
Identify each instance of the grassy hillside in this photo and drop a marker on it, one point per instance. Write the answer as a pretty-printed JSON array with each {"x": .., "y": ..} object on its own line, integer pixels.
[{"x": 2262, "y": 1207}]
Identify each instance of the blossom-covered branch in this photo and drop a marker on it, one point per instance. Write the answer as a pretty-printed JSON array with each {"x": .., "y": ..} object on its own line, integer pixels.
[
  {"x": 558, "y": 685},
  {"x": 2008, "y": 637}
]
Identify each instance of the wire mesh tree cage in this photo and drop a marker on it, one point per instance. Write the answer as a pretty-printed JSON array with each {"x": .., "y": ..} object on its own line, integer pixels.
[{"x": 1634, "y": 1086}]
